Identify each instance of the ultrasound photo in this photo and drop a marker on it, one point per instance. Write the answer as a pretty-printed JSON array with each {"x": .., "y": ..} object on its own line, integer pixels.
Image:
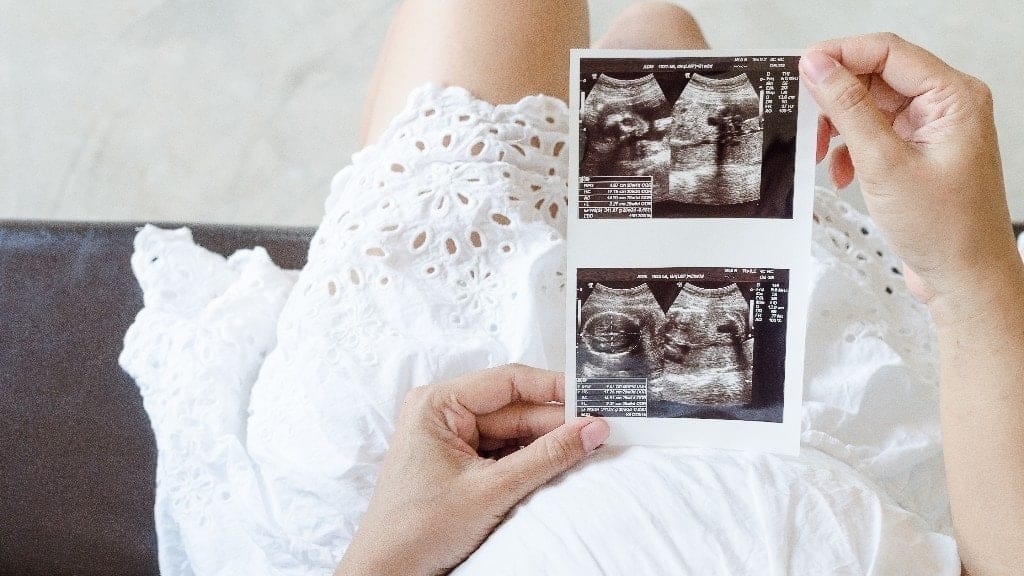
[
  {"x": 624, "y": 124},
  {"x": 620, "y": 332},
  {"x": 687, "y": 137},
  {"x": 716, "y": 142},
  {"x": 707, "y": 348},
  {"x": 681, "y": 342}
]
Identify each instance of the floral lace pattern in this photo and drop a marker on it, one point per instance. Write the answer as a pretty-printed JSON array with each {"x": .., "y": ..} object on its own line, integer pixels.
[{"x": 273, "y": 393}]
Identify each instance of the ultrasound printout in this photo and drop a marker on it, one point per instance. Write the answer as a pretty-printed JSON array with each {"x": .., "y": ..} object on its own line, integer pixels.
[{"x": 689, "y": 246}]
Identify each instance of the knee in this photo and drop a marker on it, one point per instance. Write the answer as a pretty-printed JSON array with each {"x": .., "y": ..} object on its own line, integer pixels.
[
  {"x": 498, "y": 12},
  {"x": 656, "y": 25},
  {"x": 661, "y": 13}
]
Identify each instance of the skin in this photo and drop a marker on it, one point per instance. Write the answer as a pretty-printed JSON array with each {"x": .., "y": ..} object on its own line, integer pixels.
[{"x": 921, "y": 138}]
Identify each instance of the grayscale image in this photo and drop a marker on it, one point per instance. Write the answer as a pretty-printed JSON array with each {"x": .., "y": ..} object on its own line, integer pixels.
[
  {"x": 681, "y": 342},
  {"x": 625, "y": 122},
  {"x": 620, "y": 333},
  {"x": 716, "y": 142},
  {"x": 707, "y": 348},
  {"x": 687, "y": 137}
]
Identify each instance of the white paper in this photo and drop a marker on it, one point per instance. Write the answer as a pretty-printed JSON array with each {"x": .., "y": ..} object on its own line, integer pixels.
[{"x": 690, "y": 199}]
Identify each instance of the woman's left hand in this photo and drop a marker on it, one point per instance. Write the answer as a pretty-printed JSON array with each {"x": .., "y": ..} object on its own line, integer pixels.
[{"x": 455, "y": 467}]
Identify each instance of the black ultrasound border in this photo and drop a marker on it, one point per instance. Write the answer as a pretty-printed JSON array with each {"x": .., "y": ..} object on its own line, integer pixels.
[
  {"x": 769, "y": 364},
  {"x": 778, "y": 153}
]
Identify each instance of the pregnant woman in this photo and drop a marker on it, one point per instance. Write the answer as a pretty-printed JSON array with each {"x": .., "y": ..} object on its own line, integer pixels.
[{"x": 360, "y": 414}]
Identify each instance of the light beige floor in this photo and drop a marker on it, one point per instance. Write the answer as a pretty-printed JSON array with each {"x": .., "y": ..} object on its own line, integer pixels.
[{"x": 240, "y": 112}]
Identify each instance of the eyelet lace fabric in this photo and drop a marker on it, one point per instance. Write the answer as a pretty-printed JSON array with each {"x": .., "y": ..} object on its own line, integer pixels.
[
  {"x": 273, "y": 394},
  {"x": 871, "y": 391}
]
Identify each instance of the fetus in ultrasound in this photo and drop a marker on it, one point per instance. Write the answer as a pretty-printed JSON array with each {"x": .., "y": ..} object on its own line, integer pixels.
[{"x": 612, "y": 333}]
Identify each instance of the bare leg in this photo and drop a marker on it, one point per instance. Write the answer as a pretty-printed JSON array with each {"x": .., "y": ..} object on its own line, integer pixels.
[
  {"x": 500, "y": 50},
  {"x": 654, "y": 25}
]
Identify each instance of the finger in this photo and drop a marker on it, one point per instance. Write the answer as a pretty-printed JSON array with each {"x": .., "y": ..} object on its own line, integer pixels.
[
  {"x": 848, "y": 105},
  {"x": 840, "y": 167},
  {"x": 522, "y": 472},
  {"x": 908, "y": 68},
  {"x": 885, "y": 97},
  {"x": 520, "y": 420},
  {"x": 485, "y": 391},
  {"x": 824, "y": 138}
]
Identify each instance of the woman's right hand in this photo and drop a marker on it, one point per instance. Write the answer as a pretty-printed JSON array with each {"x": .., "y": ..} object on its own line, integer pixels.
[{"x": 922, "y": 138}]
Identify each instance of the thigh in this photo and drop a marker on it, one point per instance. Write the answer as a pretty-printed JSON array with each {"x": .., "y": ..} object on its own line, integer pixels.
[
  {"x": 499, "y": 50},
  {"x": 655, "y": 26}
]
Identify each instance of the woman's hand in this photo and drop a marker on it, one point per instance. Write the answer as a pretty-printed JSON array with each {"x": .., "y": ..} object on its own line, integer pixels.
[
  {"x": 439, "y": 495},
  {"x": 922, "y": 138},
  {"x": 923, "y": 141}
]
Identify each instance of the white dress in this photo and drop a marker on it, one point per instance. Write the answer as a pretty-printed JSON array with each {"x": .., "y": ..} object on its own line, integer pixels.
[{"x": 273, "y": 393}]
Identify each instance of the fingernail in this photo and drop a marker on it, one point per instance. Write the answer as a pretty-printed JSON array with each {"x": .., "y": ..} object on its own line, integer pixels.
[
  {"x": 594, "y": 433},
  {"x": 816, "y": 65}
]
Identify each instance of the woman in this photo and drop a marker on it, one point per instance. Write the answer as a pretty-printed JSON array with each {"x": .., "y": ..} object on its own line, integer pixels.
[{"x": 273, "y": 397}]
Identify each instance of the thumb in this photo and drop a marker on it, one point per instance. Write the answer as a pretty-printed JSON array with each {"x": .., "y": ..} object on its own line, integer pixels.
[
  {"x": 845, "y": 100},
  {"x": 520, "y": 473}
]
